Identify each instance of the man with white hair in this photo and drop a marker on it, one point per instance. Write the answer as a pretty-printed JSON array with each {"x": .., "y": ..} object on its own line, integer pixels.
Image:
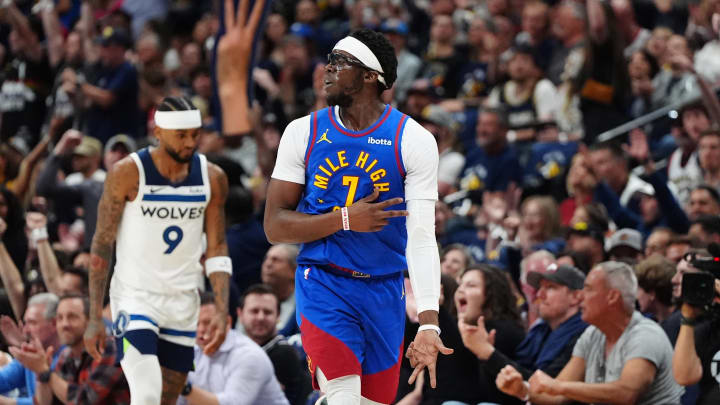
[
  {"x": 622, "y": 358},
  {"x": 39, "y": 322}
]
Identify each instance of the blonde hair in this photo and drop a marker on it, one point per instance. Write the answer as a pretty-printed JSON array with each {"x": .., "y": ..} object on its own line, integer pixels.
[{"x": 550, "y": 212}]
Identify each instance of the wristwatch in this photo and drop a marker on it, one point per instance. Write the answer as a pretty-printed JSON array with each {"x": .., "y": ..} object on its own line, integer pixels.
[
  {"x": 687, "y": 321},
  {"x": 44, "y": 377},
  {"x": 187, "y": 389}
]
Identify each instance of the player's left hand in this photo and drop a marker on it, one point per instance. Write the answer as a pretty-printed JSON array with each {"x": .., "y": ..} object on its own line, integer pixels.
[
  {"x": 215, "y": 335},
  {"x": 423, "y": 352}
]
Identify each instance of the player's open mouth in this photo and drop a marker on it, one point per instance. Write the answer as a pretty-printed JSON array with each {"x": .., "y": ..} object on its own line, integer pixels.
[{"x": 462, "y": 303}]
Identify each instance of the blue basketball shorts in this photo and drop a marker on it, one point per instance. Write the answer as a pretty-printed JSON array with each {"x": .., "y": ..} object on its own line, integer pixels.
[{"x": 352, "y": 326}]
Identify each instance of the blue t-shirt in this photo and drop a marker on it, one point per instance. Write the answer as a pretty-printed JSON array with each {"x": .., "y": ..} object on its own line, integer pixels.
[
  {"x": 122, "y": 117},
  {"x": 485, "y": 172},
  {"x": 547, "y": 161},
  {"x": 15, "y": 376}
]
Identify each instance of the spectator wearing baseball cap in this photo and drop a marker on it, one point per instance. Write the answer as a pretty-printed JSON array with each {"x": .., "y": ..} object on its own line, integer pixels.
[
  {"x": 587, "y": 238},
  {"x": 117, "y": 148},
  {"x": 82, "y": 188},
  {"x": 549, "y": 343},
  {"x": 625, "y": 245}
]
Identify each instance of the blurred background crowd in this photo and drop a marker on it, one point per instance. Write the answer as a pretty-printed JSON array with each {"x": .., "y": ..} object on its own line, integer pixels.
[{"x": 570, "y": 133}]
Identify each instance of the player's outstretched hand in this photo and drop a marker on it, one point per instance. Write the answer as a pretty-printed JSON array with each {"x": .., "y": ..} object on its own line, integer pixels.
[
  {"x": 95, "y": 338},
  {"x": 423, "y": 352},
  {"x": 216, "y": 333},
  {"x": 368, "y": 216}
]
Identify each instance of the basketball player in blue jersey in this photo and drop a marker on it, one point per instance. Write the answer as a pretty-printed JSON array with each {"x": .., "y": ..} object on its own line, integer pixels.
[
  {"x": 157, "y": 203},
  {"x": 356, "y": 184}
]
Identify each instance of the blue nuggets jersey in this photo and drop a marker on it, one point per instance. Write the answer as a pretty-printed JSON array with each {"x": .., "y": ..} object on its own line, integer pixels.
[{"x": 343, "y": 166}]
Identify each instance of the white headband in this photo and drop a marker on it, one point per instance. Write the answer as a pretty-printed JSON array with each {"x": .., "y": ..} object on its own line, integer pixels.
[
  {"x": 178, "y": 119},
  {"x": 356, "y": 48}
]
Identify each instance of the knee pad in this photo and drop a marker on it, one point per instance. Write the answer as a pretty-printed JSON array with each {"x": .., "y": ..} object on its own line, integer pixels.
[{"x": 143, "y": 375}]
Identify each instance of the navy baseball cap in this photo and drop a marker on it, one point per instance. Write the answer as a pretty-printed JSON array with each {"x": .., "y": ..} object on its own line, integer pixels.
[{"x": 568, "y": 276}]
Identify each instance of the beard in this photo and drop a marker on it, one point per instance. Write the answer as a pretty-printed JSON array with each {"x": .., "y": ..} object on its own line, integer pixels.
[
  {"x": 176, "y": 156},
  {"x": 341, "y": 100},
  {"x": 345, "y": 99}
]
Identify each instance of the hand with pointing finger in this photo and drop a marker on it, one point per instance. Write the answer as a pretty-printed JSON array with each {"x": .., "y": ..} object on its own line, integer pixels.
[
  {"x": 477, "y": 339},
  {"x": 369, "y": 216}
]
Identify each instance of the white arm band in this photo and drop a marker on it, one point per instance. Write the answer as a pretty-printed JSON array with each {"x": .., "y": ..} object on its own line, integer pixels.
[
  {"x": 218, "y": 263},
  {"x": 422, "y": 254}
]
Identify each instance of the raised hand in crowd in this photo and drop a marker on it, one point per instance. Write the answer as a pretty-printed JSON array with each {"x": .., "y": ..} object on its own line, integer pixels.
[
  {"x": 477, "y": 339},
  {"x": 12, "y": 332},
  {"x": 10, "y": 277},
  {"x": 70, "y": 139},
  {"x": 234, "y": 52},
  {"x": 639, "y": 149}
]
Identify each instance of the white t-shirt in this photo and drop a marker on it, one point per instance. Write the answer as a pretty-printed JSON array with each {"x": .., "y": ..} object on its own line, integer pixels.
[
  {"x": 419, "y": 156},
  {"x": 451, "y": 165},
  {"x": 544, "y": 92},
  {"x": 683, "y": 178}
]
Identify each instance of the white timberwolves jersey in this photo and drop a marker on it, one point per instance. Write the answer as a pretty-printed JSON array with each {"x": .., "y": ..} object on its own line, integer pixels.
[{"x": 159, "y": 241}]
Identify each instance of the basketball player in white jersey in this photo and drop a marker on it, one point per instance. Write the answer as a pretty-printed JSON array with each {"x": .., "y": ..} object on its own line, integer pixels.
[{"x": 157, "y": 203}]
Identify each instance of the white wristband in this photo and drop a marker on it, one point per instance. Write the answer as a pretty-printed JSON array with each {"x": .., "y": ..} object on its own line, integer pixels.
[
  {"x": 429, "y": 326},
  {"x": 218, "y": 263},
  {"x": 39, "y": 234},
  {"x": 345, "y": 218},
  {"x": 526, "y": 398}
]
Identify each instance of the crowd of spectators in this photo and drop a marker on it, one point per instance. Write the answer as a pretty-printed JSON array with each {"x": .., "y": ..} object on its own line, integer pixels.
[{"x": 564, "y": 241}]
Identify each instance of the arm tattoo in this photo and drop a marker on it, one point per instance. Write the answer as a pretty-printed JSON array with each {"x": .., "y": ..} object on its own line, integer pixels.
[
  {"x": 220, "y": 282},
  {"x": 109, "y": 215}
]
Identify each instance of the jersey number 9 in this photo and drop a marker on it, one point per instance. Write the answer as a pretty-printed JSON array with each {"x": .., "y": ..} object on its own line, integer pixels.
[{"x": 172, "y": 236}]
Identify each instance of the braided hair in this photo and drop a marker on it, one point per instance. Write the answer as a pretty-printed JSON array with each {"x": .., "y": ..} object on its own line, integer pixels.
[{"x": 176, "y": 104}]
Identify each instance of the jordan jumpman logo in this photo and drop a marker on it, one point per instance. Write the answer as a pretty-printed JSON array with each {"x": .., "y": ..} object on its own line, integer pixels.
[{"x": 324, "y": 138}]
